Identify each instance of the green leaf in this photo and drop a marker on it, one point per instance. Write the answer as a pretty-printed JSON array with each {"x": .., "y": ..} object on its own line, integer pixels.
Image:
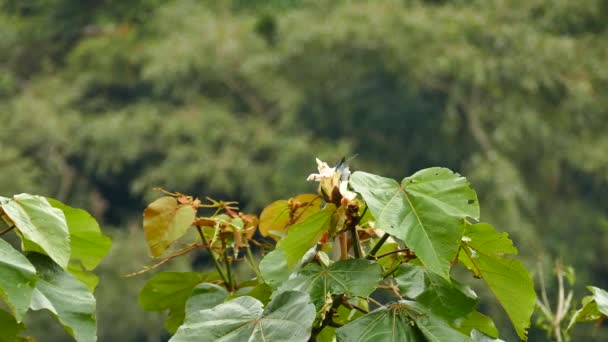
[
  {"x": 478, "y": 336},
  {"x": 87, "y": 242},
  {"x": 261, "y": 292},
  {"x": 10, "y": 328},
  {"x": 43, "y": 228},
  {"x": 169, "y": 291},
  {"x": 205, "y": 296},
  {"x": 594, "y": 307},
  {"x": 166, "y": 221},
  {"x": 401, "y": 321},
  {"x": 478, "y": 321},
  {"x": 449, "y": 300},
  {"x": 488, "y": 254},
  {"x": 426, "y": 211},
  {"x": 67, "y": 298},
  {"x": 79, "y": 272},
  {"x": 288, "y": 317},
  {"x": 601, "y": 298},
  {"x": 17, "y": 279},
  {"x": 304, "y": 235},
  {"x": 277, "y": 216},
  {"x": 274, "y": 268},
  {"x": 354, "y": 277},
  {"x": 327, "y": 334}
]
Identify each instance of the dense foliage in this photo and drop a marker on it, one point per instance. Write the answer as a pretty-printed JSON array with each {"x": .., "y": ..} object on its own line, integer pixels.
[
  {"x": 102, "y": 100},
  {"x": 60, "y": 247}
]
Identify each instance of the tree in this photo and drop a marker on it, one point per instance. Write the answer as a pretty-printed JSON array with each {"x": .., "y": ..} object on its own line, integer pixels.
[{"x": 397, "y": 244}]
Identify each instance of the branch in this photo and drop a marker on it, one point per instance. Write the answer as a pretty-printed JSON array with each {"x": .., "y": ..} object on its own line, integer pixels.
[{"x": 164, "y": 261}]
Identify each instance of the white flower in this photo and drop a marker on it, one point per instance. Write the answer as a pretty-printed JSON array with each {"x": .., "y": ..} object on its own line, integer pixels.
[
  {"x": 329, "y": 179},
  {"x": 345, "y": 192},
  {"x": 466, "y": 239},
  {"x": 325, "y": 171}
]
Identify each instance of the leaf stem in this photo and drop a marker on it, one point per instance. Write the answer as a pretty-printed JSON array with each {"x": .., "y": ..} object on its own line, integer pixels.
[
  {"x": 215, "y": 262},
  {"x": 372, "y": 254}
]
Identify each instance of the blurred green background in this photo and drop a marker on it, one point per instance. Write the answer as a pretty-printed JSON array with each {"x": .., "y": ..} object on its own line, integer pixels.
[{"x": 101, "y": 100}]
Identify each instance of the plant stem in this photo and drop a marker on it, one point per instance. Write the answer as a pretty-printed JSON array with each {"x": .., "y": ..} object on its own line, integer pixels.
[
  {"x": 343, "y": 246},
  {"x": 215, "y": 262},
  {"x": 393, "y": 252},
  {"x": 355, "y": 241},
  {"x": 7, "y": 230},
  {"x": 375, "y": 301},
  {"x": 227, "y": 261},
  {"x": 359, "y": 309},
  {"x": 372, "y": 253},
  {"x": 252, "y": 263},
  {"x": 389, "y": 273}
]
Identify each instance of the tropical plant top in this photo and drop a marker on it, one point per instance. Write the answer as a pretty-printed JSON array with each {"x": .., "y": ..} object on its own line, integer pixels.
[{"x": 366, "y": 258}]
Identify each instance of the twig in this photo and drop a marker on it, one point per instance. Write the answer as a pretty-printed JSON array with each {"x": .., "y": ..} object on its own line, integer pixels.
[{"x": 165, "y": 260}]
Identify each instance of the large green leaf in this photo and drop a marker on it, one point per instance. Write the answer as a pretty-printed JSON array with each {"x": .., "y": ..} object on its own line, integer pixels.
[
  {"x": 402, "y": 321},
  {"x": 42, "y": 227},
  {"x": 205, "y": 296},
  {"x": 17, "y": 279},
  {"x": 67, "y": 298},
  {"x": 304, "y": 235},
  {"x": 278, "y": 215},
  {"x": 426, "y": 211},
  {"x": 87, "y": 242},
  {"x": 9, "y": 327},
  {"x": 170, "y": 291},
  {"x": 166, "y": 221},
  {"x": 449, "y": 300},
  {"x": 489, "y": 255},
  {"x": 288, "y": 317},
  {"x": 594, "y": 307},
  {"x": 274, "y": 268},
  {"x": 354, "y": 277},
  {"x": 90, "y": 279}
]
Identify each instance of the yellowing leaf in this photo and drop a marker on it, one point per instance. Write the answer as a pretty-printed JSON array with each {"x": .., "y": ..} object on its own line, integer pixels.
[
  {"x": 166, "y": 221},
  {"x": 279, "y": 215}
]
